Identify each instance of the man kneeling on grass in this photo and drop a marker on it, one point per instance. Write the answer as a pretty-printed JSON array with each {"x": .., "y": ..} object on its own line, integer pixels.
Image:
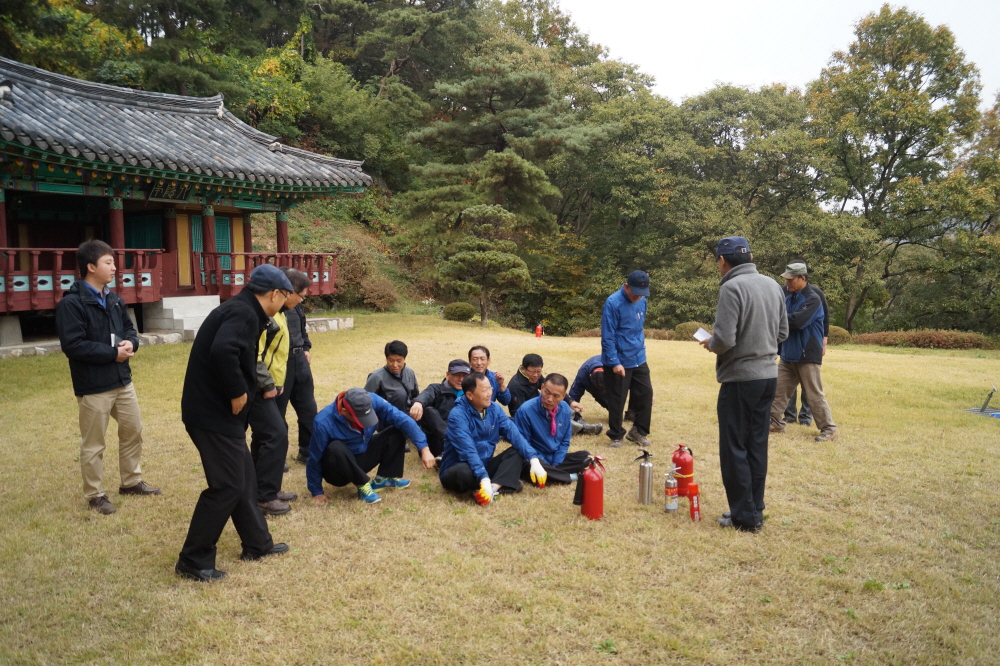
[
  {"x": 546, "y": 422},
  {"x": 343, "y": 449},
  {"x": 475, "y": 426}
]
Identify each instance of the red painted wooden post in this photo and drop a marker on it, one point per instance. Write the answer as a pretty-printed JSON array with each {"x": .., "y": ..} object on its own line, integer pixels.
[
  {"x": 208, "y": 245},
  {"x": 281, "y": 231},
  {"x": 3, "y": 219},
  {"x": 116, "y": 218},
  {"x": 33, "y": 279}
]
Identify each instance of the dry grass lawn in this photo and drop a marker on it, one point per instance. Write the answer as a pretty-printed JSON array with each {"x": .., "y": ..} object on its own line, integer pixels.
[{"x": 880, "y": 548}]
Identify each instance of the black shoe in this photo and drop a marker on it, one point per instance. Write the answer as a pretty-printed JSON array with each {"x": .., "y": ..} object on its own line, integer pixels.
[
  {"x": 592, "y": 429},
  {"x": 286, "y": 468},
  {"x": 276, "y": 549},
  {"x": 200, "y": 575},
  {"x": 141, "y": 488},
  {"x": 805, "y": 423},
  {"x": 789, "y": 419},
  {"x": 301, "y": 459},
  {"x": 727, "y": 521}
]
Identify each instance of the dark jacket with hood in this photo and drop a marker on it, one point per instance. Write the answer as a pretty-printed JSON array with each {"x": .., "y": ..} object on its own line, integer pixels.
[
  {"x": 808, "y": 323},
  {"x": 85, "y": 329},
  {"x": 439, "y": 396}
]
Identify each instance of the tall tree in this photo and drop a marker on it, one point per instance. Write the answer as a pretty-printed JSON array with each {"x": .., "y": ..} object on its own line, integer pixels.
[{"x": 891, "y": 111}]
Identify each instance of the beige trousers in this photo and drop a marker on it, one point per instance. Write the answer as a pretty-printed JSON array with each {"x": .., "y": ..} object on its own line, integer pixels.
[
  {"x": 790, "y": 375},
  {"x": 123, "y": 405}
]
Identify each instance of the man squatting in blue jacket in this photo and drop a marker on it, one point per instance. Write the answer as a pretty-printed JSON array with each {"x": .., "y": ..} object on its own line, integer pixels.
[
  {"x": 546, "y": 422},
  {"x": 343, "y": 449},
  {"x": 475, "y": 427}
]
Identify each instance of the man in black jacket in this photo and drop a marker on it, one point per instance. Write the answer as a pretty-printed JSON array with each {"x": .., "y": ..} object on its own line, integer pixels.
[
  {"x": 215, "y": 404},
  {"x": 98, "y": 338},
  {"x": 432, "y": 407},
  {"x": 527, "y": 384},
  {"x": 299, "y": 389}
]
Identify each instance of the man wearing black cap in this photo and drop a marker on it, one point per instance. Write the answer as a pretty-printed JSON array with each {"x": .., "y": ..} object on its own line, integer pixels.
[
  {"x": 749, "y": 323},
  {"x": 623, "y": 355},
  {"x": 215, "y": 403},
  {"x": 431, "y": 408},
  {"x": 344, "y": 446}
]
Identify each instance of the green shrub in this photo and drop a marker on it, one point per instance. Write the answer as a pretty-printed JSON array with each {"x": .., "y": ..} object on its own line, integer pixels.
[
  {"x": 839, "y": 336},
  {"x": 660, "y": 334},
  {"x": 926, "y": 339},
  {"x": 458, "y": 312},
  {"x": 687, "y": 330}
]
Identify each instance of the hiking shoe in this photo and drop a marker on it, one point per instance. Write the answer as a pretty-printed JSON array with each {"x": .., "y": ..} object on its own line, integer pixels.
[
  {"x": 274, "y": 508},
  {"x": 636, "y": 437},
  {"x": 102, "y": 505},
  {"x": 806, "y": 423},
  {"x": 727, "y": 521},
  {"x": 287, "y": 497},
  {"x": 301, "y": 459},
  {"x": 286, "y": 469},
  {"x": 592, "y": 429},
  {"x": 378, "y": 483},
  {"x": 140, "y": 488},
  {"x": 616, "y": 443},
  {"x": 826, "y": 436},
  {"x": 789, "y": 419},
  {"x": 777, "y": 427},
  {"x": 366, "y": 493}
]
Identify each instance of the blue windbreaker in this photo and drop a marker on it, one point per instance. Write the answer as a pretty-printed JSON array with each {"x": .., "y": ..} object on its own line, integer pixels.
[
  {"x": 805, "y": 327},
  {"x": 503, "y": 397},
  {"x": 535, "y": 424},
  {"x": 582, "y": 382},
  {"x": 330, "y": 425},
  {"x": 622, "y": 338},
  {"x": 472, "y": 438}
]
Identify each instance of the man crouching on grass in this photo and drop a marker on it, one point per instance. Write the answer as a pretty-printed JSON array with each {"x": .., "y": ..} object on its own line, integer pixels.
[
  {"x": 546, "y": 422},
  {"x": 475, "y": 427},
  {"x": 344, "y": 446}
]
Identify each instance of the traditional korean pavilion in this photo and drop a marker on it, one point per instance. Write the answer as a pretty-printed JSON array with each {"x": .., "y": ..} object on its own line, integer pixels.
[{"x": 168, "y": 181}]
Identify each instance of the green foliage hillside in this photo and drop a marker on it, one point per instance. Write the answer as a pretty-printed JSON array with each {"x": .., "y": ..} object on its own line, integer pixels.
[{"x": 883, "y": 173}]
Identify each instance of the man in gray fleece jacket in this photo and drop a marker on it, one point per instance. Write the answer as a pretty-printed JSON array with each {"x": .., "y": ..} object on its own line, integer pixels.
[{"x": 749, "y": 323}]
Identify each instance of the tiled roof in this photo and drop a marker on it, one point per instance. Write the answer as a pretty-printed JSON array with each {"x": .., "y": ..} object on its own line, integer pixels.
[{"x": 98, "y": 122}]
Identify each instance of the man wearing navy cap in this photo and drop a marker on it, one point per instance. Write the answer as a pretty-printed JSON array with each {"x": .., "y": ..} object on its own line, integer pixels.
[
  {"x": 749, "y": 323},
  {"x": 623, "y": 355},
  {"x": 219, "y": 388}
]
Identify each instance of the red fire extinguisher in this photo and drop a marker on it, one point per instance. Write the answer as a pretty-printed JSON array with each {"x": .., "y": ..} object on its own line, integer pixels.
[
  {"x": 590, "y": 490},
  {"x": 538, "y": 331},
  {"x": 683, "y": 460}
]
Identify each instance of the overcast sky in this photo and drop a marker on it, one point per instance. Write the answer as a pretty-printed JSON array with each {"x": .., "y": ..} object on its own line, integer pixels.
[{"x": 689, "y": 46}]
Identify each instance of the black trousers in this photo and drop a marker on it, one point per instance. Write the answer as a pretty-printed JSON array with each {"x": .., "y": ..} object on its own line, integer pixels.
[
  {"x": 744, "y": 410},
  {"x": 805, "y": 415},
  {"x": 385, "y": 449},
  {"x": 231, "y": 493},
  {"x": 637, "y": 385},
  {"x": 268, "y": 446},
  {"x": 300, "y": 392},
  {"x": 434, "y": 426},
  {"x": 574, "y": 463},
  {"x": 504, "y": 469}
]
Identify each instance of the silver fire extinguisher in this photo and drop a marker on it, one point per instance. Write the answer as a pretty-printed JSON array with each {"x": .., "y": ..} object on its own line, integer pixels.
[
  {"x": 645, "y": 478},
  {"x": 670, "y": 491}
]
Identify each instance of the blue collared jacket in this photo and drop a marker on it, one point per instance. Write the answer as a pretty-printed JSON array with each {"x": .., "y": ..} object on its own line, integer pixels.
[
  {"x": 535, "y": 424},
  {"x": 472, "y": 437},
  {"x": 622, "y": 339},
  {"x": 330, "y": 425},
  {"x": 503, "y": 397},
  {"x": 582, "y": 382}
]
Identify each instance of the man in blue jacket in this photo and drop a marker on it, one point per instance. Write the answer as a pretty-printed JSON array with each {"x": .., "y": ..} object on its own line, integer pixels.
[
  {"x": 98, "y": 338},
  {"x": 802, "y": 353},
  {"x": 623, "y": 354},
  {"x": 479, "y": 360},
  {"x": 475, "y": 427},
  {"x": 545, "y": 421},
  {"x": 344, "y": 446}
]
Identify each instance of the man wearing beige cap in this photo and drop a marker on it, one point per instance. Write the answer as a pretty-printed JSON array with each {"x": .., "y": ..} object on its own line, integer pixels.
[{"x": 802, "y": 353}]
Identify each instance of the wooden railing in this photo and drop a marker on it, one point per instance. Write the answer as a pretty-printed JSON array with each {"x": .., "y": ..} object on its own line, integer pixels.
[
  {"x": 35, "y": 278},
  {"x": 214, "y": 277}
]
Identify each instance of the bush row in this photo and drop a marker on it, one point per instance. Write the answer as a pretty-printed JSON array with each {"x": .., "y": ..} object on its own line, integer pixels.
[{"x": 927, "y": 339}]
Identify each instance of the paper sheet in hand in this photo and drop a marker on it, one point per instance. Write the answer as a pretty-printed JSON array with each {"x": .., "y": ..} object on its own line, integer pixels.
[{"x": 701, "y": 335}]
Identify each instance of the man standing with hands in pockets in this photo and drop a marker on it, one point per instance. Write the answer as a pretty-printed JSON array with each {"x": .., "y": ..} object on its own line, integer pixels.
[{"x": 623, "y": 355}]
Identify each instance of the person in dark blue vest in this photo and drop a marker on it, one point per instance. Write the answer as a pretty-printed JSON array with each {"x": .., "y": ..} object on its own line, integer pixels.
[
  {"x": 479, "y": 359},
  {"x": 623, "y": 355},
  {"x": 545, "y": 421},
  {"x": 344, "y": 446},
  {"x": 475, "y": 427},
  {"x": 802, "y": 353}
]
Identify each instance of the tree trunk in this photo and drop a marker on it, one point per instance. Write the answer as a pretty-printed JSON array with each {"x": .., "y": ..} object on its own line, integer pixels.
[
  {"x": 854, "y": 301},
  {"x": 482, "y": 311}
]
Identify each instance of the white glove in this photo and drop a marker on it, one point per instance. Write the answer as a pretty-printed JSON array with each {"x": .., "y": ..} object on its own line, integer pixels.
[
  {"x": 485, "y": 493},
  {"x": 538, "y": 474}
]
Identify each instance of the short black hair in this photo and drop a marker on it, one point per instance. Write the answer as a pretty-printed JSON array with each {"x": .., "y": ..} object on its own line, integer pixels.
[
  {"x": 472, "y": 380},
  {"x": 738, "y": 259},
  {"x": 558, "y": 380},
  {"x": 485, "y": 351},
  {"x": 397, "y": 348},
  {"x": 300, "y": 281},
  {"x": 90, "y": 252},
  {"x": 532, "y": 361}
]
